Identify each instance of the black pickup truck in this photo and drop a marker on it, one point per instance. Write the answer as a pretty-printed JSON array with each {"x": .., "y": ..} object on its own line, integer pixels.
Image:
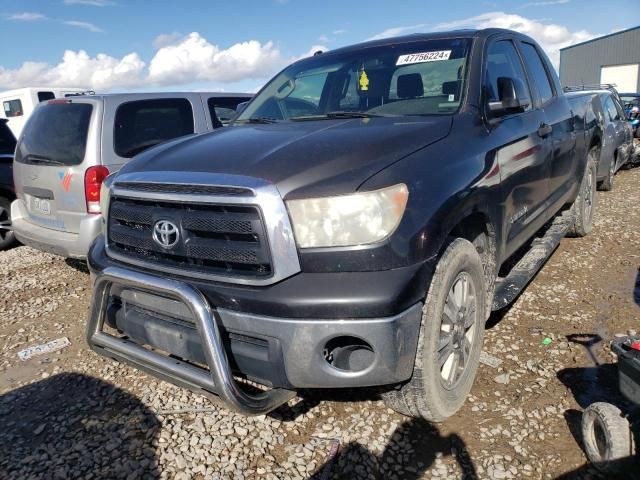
[{"x": 355, "y": 226}]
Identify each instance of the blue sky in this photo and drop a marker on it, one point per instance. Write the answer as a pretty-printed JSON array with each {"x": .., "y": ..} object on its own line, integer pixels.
[{"x": 118, "y": 45}]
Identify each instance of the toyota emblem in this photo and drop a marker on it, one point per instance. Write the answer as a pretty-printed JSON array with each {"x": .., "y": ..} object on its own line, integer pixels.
[{"x": 166, "y": 233}]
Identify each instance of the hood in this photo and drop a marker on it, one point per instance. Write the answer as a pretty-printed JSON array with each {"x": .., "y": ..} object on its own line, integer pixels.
[{"x": 304, "y": 158}]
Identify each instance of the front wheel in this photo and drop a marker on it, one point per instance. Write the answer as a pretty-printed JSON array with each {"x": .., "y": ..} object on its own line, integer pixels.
[
  {"x": 450, "y": 339},
  {"x": 584, "y": 206}
]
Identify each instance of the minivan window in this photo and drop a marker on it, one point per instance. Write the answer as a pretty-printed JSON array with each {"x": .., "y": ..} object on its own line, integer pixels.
[
  {"x": 13, "y": 108},
  {"x": 223, "y": 109},
  {"x": 44, "y": 96},
  {"x": 537, "y": 71},
  {"x": 7, "y": 140},
  {"x": 503, "y": 61},
  {"x": 141, "y": 124},
  {"x": 413, "y": 78},
  {"x": 56, "y": 134}
]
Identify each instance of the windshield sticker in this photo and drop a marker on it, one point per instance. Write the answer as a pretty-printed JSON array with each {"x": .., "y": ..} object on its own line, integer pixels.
[
  {"x": 364, "y": 81},
  {"x": 423, "y": 57}
]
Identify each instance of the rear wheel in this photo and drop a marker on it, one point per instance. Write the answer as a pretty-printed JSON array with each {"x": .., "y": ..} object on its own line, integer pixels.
[
  {"x": 450, "y": 339},
  {"x": 6, "y": 236},
  {"x": 607, "y": 437},
  {"x": 584, "y": 206}
]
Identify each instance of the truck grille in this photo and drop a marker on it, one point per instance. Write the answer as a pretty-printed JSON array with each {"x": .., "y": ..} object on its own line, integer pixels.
[{"x": 216, "y": 239}]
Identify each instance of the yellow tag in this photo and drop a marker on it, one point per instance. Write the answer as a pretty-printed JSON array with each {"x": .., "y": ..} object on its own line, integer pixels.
[{"x": 364, "y": 81}]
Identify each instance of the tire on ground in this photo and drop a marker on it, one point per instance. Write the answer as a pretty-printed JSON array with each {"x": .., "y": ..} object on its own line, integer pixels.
[
  {"x": 584, "y": 206},
  {"x": 427, "y": 395},
  {"x": 607, "y": 437},
  {"x": 7, "y": 238}
]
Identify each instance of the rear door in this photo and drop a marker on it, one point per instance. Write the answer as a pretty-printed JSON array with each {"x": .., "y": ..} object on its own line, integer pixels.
[
  {"x": 522, "y": 154},
  {"x": 557, "y": 122},
  {"x": 59, "y": 142}
]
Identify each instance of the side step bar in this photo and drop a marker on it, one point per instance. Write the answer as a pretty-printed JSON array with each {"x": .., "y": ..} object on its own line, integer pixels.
[
  {"x": 218, "y": 381},
  {"x": 508, "y": 288}
]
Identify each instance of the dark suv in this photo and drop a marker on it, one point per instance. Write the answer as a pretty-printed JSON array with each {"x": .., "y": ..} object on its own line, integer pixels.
[
  {"x": 355, "y": 226},
  {"x": 7, "y": 192}
]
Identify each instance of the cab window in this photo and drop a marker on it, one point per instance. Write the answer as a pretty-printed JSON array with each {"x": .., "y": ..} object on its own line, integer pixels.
[
  {"x": 503, "y": 61},
  {"x": 537, "y": 71},
  {"x": 44, "y": 96}
]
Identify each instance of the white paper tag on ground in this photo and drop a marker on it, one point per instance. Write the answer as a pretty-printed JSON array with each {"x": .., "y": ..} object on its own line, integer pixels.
[
  {"x": 52, "y": 346},
  {"x": 423, "y": 57},
  {"x": 490, "y": 360}
]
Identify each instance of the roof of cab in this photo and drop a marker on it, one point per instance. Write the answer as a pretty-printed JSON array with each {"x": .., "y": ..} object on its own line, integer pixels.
[{"x": 419, "y": 37}]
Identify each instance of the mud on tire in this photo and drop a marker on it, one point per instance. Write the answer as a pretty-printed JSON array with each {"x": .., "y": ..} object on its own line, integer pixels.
[
  {"x": 584, "y": 206},
  {"x": 450, "y": 340}
]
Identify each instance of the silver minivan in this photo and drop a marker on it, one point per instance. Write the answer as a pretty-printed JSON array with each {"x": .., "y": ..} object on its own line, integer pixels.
[{"x": 69, "y": 146}]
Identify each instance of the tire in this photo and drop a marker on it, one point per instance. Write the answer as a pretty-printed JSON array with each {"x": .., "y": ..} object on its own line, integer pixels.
[
  {"x": 607, "y": 437},
  {"x": 7, "y": 237},
  {"x": 428, "y": 394},
  {"x": 607, "y": 184},
  {"x": 585, "y": 204}
]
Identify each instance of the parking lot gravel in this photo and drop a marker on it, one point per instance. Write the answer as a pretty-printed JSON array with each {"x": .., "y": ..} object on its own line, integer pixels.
[{"x": 72, "y": 414}]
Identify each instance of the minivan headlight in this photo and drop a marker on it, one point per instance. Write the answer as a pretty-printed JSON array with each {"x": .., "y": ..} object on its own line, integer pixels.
[{"x": 347, "y": 220}]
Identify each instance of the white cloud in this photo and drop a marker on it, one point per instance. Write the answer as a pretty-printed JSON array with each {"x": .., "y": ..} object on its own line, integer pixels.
[
  {"x": 91, "y": 3},
  {"x": 78, "y": 69},
  {"x": 193, "y": 58},
  {"x": 395, "y": 31},
  {"x": 545, "y": 3},
  {"x": 85, "y": 25},
  {"x": 165, "y": 39},
  {"x": 178, "y": 60},
  {"x": 27, "y": 17},
  {"x": 323, "y": 38},
  {"x": 339, "y": 32},
  {"x": 551, "y": 37}
]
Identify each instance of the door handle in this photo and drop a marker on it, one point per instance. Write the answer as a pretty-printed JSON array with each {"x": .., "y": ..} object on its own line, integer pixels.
[{"x": 545, "y": 130}]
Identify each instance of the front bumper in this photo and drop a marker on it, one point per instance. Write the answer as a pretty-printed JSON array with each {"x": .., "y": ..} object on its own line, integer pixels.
[
  {"x": 294, "y": 351},
  {"x": 65, "y": 244}
]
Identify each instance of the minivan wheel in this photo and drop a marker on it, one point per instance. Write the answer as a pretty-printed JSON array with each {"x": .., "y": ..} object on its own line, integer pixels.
[
  {"x": 607, "y": 184},
  {"x": 7, "y": 237},
  {"x": 450, "y": 339},
  {"x": 584, "y": 206}
]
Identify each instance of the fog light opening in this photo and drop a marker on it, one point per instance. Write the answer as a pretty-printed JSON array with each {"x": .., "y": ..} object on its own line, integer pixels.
[{"x": 350, "y": 354}]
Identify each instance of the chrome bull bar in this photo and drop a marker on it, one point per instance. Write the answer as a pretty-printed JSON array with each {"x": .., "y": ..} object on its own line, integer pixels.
[{"x": 217, "y": 382}]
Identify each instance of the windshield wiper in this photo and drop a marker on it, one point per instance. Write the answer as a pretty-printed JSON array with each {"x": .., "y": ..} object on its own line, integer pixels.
[
  {"x": 340, "y": 114},
  {"x": 41, "y": 160},
  {"x": 257, "y": 120}
]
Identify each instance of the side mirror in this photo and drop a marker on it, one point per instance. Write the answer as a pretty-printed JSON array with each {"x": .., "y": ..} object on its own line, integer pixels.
[{"x": 513, "y": 97}]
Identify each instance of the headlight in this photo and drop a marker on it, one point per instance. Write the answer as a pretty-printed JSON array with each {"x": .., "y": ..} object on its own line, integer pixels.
[{"x": 346, "y": 220}]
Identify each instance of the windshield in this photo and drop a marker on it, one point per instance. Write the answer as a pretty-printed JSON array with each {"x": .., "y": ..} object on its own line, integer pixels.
[
  {"x": 417, "y": 78},
  {"x": 633, "y": 100}
]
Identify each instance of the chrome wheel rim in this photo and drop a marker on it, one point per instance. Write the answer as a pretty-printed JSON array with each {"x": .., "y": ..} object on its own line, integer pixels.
[
  {"x": 5, "y": 223},
  {"x": 457, "y": 332},
  {"x": 588, "y": 196}
]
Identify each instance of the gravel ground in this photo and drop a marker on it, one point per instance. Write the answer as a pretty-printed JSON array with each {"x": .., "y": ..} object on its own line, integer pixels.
[{"x": 73, "y": 414}]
